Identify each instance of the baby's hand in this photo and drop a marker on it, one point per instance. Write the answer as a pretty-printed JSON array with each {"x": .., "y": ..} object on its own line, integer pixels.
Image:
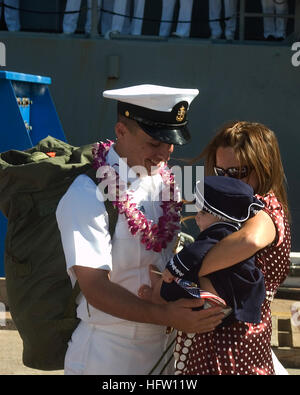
[
  {"x": 167, "y": 276},
  {"x": 152, "y": 294}
]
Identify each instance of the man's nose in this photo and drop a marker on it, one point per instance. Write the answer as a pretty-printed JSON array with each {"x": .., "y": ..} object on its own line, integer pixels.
[{"x": 165, "y": 151}]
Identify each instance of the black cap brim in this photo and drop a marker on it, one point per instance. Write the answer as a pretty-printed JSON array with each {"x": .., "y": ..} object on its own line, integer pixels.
[{"x": 176, "y": 136}]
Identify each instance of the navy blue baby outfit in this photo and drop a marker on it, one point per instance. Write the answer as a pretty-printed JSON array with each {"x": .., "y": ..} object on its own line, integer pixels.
[{"x": 241, "y": 285}]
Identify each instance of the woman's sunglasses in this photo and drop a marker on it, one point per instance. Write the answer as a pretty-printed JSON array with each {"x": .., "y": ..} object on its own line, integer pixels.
[{"x": 233, "y": 172}]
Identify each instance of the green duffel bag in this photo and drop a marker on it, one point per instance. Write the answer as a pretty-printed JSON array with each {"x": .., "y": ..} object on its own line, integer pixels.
[{"x": 40, "y": 295}]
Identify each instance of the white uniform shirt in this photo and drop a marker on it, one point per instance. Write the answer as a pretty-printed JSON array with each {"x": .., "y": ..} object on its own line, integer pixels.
[{"x": 83, "y": 223}]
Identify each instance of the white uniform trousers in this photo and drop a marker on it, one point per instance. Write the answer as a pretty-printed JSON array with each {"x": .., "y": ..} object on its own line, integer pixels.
[
  {"x": 215, "y": 8},
  {"x": 138, "y": 14},
  {"x": 118, "y": 349},
  {"x": 70, "y": 20},
  {"x": 123, "y": 24},
  {"x": 107, "y": 16},
  {"x": 274, "y": 26},
  {"x": 185, "y": 14},
  {"x": 12, "y": 17}
]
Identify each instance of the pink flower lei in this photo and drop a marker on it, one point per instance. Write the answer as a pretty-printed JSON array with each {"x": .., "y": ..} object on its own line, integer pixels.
[{"x": 154, "y": 236}]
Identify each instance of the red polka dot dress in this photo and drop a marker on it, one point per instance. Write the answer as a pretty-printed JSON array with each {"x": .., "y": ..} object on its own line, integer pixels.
[{"x": 242, "y": 348}]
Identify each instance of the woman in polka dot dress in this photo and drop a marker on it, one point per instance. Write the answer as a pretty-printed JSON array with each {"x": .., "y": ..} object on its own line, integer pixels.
[{"x": 244, "y": 348}]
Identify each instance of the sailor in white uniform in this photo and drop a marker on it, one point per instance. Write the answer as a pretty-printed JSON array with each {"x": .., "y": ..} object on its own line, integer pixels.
[
  {"x": 230, "y": 9},
  {"x": 184, "y": 16},
  {"x": 120, "y": 333},
  {"x": 275, "y": 27},
  {"x": 122, "y": 21},
  {"x": 70, "y": 20},
  {"x": 12, "y": 17},
  {"x": 115, "y": 16}
]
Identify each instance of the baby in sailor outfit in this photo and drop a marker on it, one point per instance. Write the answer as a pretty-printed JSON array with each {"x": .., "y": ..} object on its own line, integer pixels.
[{"x": 226, "y": 204}]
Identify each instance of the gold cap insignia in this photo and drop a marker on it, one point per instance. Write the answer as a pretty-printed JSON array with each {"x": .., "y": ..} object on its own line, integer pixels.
[
  {"x": 127, "y": 113},
  {"x": 181, "y": 114}
]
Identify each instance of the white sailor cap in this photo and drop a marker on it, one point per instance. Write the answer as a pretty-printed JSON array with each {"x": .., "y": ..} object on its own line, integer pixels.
[{"x": 160, "y": 111}]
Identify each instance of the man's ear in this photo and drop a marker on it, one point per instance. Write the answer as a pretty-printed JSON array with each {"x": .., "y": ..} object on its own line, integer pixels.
[{"x": 121, "y": 130}]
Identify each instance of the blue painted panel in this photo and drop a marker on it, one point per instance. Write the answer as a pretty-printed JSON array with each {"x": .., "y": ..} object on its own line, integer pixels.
[
  {"x": 43, "y": 117},
  {"x": 25, "y": 113},
  {"x": 38, "y": 79},
  {"x": 13, "y": 134}
]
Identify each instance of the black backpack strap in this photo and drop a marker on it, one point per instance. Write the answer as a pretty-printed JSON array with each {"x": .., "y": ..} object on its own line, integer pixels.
[
  {"x": 70, "y": 310},
  {"x": 91, "y": 172},
  {"x": 112, "y": 217}
]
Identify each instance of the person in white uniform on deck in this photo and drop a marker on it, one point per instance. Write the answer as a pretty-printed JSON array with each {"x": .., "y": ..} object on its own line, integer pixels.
[
  {"x": 120, "y": 333},
  {"x": 121, "y": 20},
  {"x": 275, "y": 27},
  {"x": 114, "y": 15},
  {"x": 70, "y": 20},
  {"x": 12, "y": 17},
  {"x": 230, "y": 9},
  {"x": 184, "y": 16}
]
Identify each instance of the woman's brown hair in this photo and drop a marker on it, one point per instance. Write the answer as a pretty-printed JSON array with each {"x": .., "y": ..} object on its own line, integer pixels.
[{"x": 256, "y": 146}]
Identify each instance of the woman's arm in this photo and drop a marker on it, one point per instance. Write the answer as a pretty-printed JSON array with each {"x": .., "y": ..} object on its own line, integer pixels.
[{"x": 257, "y": 233}]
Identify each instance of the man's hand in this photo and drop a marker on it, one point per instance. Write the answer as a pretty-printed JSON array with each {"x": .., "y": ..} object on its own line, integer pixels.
[
  {"x": 183, "y": 318},
  {"x": 180, "y": 312}
]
